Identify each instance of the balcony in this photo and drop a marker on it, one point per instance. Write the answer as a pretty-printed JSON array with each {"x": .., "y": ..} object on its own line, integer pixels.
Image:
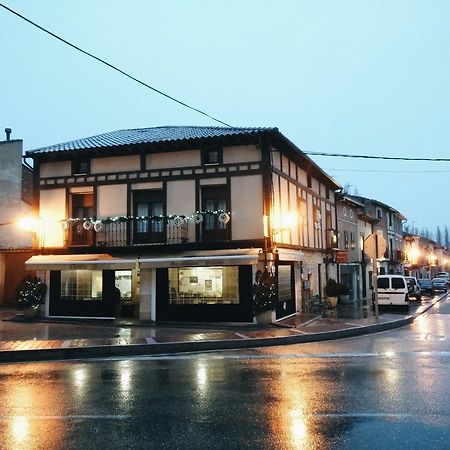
[{"x": 125, "y": 232}]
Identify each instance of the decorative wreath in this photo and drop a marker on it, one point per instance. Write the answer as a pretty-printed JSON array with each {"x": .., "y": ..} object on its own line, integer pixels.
[
  {"x": 87, "y": 225},
  {"x": 178, "y": 221},
  {"x": 224, "y": 217},
  {"x": 197, "y": 218},
  {"x": 98, "y": 226}
]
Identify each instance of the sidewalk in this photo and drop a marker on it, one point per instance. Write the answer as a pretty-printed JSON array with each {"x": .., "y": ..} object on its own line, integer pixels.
[{"x": 52, "y": 340}]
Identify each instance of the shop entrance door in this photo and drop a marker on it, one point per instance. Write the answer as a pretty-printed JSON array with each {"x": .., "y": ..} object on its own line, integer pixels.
[{"x": 286, "y": 291}]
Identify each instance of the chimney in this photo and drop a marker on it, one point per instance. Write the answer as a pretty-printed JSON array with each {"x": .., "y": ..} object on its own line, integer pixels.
[{"x": 8, "y": 133}]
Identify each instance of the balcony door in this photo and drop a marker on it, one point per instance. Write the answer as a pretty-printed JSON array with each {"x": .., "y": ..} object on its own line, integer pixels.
[
  {"x": 214, "y": 199},
  {"x": 82, "y": 206},
  {"x": 150, "y": 224}
]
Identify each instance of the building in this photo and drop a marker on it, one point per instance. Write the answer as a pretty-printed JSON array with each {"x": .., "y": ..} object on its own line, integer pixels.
[
  {"x": 389, "y": 225},
  {"x": 424, "y": 258},
  {"x": 354, "y": 267},
  {"x": 180, "y": 219},
  {"x": 15, "y": 201}
]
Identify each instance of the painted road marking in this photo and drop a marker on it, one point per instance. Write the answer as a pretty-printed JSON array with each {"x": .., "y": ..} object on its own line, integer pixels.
[{"x": 242, "y": 336}]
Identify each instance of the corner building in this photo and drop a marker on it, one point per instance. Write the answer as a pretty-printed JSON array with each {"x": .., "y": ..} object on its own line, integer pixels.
[{"x": 180, "y": 219}]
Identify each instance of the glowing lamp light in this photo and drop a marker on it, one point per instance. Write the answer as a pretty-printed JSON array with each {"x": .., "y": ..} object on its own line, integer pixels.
[{"x": 28, "y": 223}]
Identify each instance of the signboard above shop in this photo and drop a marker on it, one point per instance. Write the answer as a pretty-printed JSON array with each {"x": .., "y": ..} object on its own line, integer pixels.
[{"x": 341, "y": 256}]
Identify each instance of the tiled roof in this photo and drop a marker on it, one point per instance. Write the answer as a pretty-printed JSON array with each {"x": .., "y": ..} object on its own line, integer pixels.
[{"x": 149, "y": 135}]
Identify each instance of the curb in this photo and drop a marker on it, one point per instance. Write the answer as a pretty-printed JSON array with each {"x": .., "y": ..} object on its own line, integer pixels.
[
  {"x": 195, "y": 346},
  {"x": 168, "y": 348}
]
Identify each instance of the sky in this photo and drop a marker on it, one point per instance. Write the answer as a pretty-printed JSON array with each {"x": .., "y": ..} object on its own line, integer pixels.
[{"x": 348, "y": 76}]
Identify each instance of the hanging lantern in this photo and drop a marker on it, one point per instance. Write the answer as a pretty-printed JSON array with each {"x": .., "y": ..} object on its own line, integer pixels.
[
  {"x": 224, "y": 217},
  {"x": 98, "y": 226},
  {"x": 197, "y": 217},
  {"x": 87, "y": 225}
]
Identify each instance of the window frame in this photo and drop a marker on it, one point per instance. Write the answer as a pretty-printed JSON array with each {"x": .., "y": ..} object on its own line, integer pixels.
[
  {"x": 207, "y": 151},
  {"x": 150, "y": 235},
  {"x": 219, "y": 232},
  {"x": 76, "y": 166}
]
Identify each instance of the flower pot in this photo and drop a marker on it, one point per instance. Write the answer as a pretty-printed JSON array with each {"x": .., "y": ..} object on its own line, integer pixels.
[
  {"x": 31, "y": 313},
  {"x": 264, "y": 318},
  {"x": 333, "y": 302}
]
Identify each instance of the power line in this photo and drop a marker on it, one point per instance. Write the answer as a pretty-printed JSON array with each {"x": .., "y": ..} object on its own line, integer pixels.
[
  {"x": 392, "y": 158},
  {"x": 112, "y": 66},
  {"x": 386, "y": 171}
]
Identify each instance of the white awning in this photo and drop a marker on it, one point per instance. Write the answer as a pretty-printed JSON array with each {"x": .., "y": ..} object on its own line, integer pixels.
[{"x": 104, "y": 261}]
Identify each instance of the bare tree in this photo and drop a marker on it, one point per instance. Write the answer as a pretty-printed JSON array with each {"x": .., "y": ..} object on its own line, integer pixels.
[
  {"x": 446, "y": 237},
  {"x": 438, "y": 235}
]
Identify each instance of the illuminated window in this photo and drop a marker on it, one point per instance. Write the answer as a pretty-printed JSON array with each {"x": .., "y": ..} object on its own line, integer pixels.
[
  {"x": 79, "y": 285},
  {"x": 122, "y": 281},
  {"x": 204, "y": 285}
]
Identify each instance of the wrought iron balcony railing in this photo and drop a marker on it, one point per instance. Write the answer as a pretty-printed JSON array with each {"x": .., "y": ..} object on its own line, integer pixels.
[{"x": 126, "y": 232}]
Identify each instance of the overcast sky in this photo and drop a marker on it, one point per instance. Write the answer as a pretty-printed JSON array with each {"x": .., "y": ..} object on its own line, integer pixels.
[{"x": 355, "y": 77}]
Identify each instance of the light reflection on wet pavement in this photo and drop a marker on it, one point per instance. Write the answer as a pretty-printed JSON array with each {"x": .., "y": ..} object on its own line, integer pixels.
[{"x": 387, "y": 390}]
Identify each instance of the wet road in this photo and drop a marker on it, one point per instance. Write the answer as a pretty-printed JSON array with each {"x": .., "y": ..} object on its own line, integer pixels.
[{"x": 389, "y": 390}]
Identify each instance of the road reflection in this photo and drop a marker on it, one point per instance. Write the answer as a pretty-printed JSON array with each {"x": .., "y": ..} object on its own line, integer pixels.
[{"x": 27, "y": 426}]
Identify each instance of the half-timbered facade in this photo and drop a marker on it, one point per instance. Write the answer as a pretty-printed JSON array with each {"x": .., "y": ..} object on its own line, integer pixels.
[{"x": 180, "y": 219}]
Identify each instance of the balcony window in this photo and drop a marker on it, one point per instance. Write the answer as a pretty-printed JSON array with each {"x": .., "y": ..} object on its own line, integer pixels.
[
  {"x": 214, "y": 199},
  {"x": 149, "y": 208},
  {"x": 82, "y": 206}
]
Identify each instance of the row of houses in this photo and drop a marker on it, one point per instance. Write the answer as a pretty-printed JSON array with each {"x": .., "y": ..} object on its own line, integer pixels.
[{"x": 180, "y": 219}]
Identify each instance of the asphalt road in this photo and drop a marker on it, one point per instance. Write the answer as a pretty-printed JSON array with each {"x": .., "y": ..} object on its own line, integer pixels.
[{"x": 388, "y": 390}]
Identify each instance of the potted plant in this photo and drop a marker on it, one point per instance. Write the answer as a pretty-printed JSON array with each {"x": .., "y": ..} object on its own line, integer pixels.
[
  {"x": 332, "y": 292},
  {"x": 344, "y": 293},
  {"x": 265, "y": 298},
  {"x": 31, "y": 294}
]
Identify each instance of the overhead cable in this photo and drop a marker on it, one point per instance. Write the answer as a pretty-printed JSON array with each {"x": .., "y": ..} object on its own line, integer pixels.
[
  {"x": 112, "y": 66},
  {"x": 391, "y": 158}
]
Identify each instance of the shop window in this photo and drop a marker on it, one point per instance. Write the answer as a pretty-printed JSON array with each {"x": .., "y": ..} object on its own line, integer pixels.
[
  {"x": 204, "y": 285},
  {"x": 149, "y": 210},
  {"x": 81, "y": 285},
  {"x": 122, "y": 282},
  {"x": 214, "y": 200}
]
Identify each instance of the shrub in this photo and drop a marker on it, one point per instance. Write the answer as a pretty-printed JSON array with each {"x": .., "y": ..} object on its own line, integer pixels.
[
  {"x": 265, "y": 296},
  {"x": 332, "y": 288},
  {"x": 31, "y": 292}
]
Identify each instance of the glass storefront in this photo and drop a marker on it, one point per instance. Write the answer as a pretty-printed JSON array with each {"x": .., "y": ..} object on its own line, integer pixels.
[
  {"x": 80, "y": 285},
  {"x": 204, "y": 285},
  {"x": 122, "y": 281}
]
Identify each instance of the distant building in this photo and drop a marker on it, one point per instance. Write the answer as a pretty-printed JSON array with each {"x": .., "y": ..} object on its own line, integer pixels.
[
  {"x": 389, "y": 225},
  {"x": 16, "y": 187},
  {"x": 181, "y": 219},
  {"x": 354, "y": 225}
]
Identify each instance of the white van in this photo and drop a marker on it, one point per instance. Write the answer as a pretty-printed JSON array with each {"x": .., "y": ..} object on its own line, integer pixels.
[{"x": 392, "y": 291}]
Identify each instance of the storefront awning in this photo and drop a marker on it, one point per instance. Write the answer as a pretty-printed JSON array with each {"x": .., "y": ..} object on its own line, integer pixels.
[{"x": 107, "y": 262}]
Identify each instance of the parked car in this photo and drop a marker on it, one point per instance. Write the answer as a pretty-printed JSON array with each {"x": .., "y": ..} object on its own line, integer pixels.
[
  {"x": 439, "y": 284},
  {"x": 445, "y": 276},
  {"x": 426, "y": 286},
  {"x": 414, "y": 289},
  {"x": 392, "y": 291}
]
